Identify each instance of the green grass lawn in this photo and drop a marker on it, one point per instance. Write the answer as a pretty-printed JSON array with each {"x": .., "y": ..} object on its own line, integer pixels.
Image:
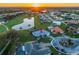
[
  {"x": 76, "y": 35},
  {"x": 53, "y": 50},
  {"x": 19, "y": 19},
  {"x": 63, "y": 26},
  {"x": 25, "y": 36},
  {"x": 2, "y": 28},
  {"x": 15, "y": 21},
  {"x": 73, "y": 35},
  {"x": 38, "y": 24},
  {"x": 12, "y": 22}
]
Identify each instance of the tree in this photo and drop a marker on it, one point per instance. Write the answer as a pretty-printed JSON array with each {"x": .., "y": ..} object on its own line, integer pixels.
[{"x": 6, "y": 38}]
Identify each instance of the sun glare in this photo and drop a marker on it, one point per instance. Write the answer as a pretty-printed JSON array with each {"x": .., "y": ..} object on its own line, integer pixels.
[{"x": 36, "y": 5}]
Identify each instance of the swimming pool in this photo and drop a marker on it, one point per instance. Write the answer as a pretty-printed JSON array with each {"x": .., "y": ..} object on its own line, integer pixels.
[{"x": 38, "y": 33}]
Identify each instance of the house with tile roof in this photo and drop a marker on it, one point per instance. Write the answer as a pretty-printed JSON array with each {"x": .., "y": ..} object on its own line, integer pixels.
[{"x": 57, "y": 30}]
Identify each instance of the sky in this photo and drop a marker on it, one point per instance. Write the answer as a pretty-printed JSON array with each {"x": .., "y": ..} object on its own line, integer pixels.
[{"x": 39, "y": 4}]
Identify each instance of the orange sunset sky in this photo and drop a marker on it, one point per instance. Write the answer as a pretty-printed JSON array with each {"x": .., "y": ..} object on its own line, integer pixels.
[{"x": 39, "y": 4}]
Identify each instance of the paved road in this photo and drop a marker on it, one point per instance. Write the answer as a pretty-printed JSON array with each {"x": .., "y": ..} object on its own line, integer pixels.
[{"x": 48, "y": 17}]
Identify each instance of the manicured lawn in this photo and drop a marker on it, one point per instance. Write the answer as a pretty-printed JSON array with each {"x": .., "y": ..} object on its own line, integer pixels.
[
  {"x": 15, "y": 21},
  {"x": 38, "y": 24},
  {"x": 2, "y": 28},
  {"x": 63, "y": 26},
  {"x": 19, "y": 19},
  {"x": 12, "y": 22},
  {"x": 53, "y": 50},
  {"x": 74, "y": 35},
  {"x": 45, "y": 40},
  {"x": 25, "y": 36}
]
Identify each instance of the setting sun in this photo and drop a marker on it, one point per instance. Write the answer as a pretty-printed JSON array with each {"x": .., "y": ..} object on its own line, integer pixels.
[{"x": 36, "y": 5}]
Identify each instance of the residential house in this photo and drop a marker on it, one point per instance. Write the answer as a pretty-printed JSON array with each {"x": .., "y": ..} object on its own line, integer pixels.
[{"x": 57, "y": 30}]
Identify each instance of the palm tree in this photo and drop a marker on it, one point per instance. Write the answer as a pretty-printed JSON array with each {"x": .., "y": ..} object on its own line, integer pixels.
[{"x": 7, "y": 38}]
